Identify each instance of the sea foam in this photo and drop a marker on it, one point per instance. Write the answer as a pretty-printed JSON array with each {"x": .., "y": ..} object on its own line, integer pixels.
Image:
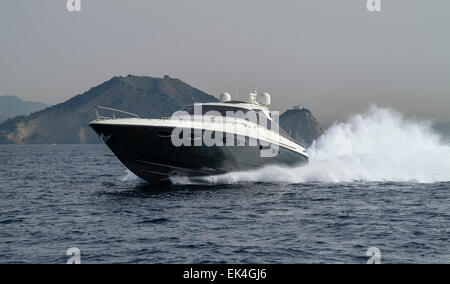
[{"x": 378, "y": 145}]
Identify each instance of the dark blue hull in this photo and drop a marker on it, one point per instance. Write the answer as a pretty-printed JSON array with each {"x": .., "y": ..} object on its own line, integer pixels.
[{"x": 149, "y": 153}]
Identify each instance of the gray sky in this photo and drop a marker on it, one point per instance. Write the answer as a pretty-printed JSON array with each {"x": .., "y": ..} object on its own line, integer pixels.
[{"x": 333, "y": 57}]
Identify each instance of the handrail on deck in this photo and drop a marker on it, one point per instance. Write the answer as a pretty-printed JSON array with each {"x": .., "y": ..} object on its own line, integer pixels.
[{"x": 99, "y": 117}]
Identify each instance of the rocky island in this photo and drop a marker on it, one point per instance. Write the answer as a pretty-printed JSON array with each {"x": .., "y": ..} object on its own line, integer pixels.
[{"x": 67, "y": 123}]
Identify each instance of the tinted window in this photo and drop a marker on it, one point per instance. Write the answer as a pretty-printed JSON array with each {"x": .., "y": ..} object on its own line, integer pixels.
[
  {"x": 220, "y": 109},
  {"x": 262, "y": 119}
]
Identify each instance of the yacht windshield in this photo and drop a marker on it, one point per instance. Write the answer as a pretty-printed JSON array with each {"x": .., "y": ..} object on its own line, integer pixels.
[
  {"x": 255, "y": 115},
  {"x": 210, "y": 108}
]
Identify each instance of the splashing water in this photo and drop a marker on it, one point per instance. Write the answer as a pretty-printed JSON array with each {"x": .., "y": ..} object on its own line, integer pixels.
[
  {"x": 379, "y": 145},
  {"x": 129, "y": 176}
]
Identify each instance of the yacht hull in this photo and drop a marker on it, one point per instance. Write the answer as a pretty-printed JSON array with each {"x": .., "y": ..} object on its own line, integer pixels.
[{"x": 149, "y": 153}]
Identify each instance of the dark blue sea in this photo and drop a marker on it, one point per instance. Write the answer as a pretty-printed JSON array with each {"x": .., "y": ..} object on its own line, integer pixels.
[{"x": 54, "y": 197}]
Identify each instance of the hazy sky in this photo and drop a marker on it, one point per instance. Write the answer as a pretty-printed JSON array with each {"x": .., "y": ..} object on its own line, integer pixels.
[{"x": 333, "y": 57}]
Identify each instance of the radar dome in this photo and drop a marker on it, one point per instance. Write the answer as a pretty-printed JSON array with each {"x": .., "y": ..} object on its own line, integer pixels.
[
  {"x": 263, "y": 99},
  {"x": 225, "y": 97}
]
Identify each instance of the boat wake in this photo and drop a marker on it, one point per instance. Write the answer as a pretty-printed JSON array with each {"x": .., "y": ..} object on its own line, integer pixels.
[{"x": 379, "y": 145}]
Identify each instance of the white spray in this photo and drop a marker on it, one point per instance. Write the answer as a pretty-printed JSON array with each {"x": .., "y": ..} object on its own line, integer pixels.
[
  {"x": 129, "y": 176},
  {"x": 380, "y": 145}
]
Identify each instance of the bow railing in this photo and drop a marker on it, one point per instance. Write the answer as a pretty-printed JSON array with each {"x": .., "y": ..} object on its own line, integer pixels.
[{"x": 113, "y": 111}]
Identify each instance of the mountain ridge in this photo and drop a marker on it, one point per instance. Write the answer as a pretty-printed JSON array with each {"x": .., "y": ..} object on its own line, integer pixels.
[
  {"x": 67, "y": 122},
  {"x": 12, "y": 106}
]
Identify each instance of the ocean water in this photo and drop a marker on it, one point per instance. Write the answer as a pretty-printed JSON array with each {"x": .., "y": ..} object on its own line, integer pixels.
[{"x": 377, "y": 180}]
